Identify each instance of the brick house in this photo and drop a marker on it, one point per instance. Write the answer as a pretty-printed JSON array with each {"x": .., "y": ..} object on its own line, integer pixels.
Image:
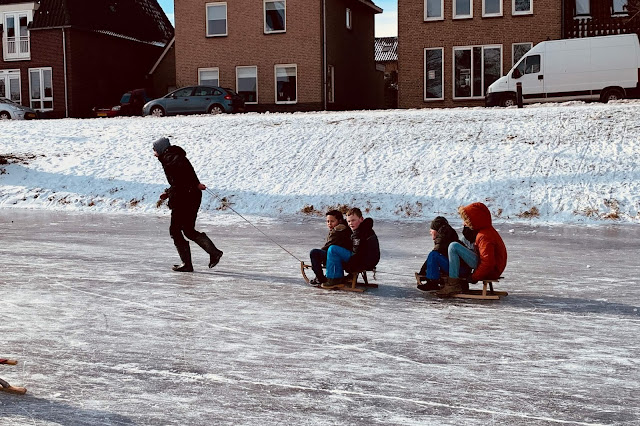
[
  {"x": 281, "y": 55},
  {"x": 63, "y": 57},
  {"x": 588, "y": 18},
  {"x": 449, "y": 51}
]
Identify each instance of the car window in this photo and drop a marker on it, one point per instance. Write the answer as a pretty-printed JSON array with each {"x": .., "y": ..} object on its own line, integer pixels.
[
  {"x": 533, "y": 64},
  {"x": 204, "y": 91},
  {"x": 183, "y": 93},
  {"x": 125, "y": 98}
]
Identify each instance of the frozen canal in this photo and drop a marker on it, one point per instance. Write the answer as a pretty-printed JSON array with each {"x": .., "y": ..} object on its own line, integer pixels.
[{"x": 107, "y": 334}]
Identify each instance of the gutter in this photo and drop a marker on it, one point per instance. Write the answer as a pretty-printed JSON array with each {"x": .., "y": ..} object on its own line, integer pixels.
[
  {"x": 66, "y": 82},
  {"x": 324, "y": 53}
]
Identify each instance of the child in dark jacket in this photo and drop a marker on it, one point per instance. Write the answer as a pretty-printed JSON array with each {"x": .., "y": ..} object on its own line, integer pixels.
[
  {"x": 438, "y": 259},
  {"x": 339, "y": 234}
]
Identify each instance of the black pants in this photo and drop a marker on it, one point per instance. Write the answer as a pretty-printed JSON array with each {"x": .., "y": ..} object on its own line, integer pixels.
[{"x": 183, "y": 221}]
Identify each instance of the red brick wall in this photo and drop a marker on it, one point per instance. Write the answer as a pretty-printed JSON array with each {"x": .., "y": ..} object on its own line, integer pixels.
[
  {"x": 414, "y": 35},
  {"x": 247, "y": 45}
]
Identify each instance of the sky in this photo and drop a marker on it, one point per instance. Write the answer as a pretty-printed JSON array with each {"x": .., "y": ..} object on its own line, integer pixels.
[{"x": 386, "y": 22}]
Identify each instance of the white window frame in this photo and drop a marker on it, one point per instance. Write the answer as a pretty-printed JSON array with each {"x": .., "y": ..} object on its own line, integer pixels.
[
  {"x": 513, "y": 51},
  {"x": 349, "y": 18},
  {"x": 275, "y": 80},
  {"x": 237, "y": 88},
  {"x": 453, "y": 71},
  {"x": 521, "y": 12},
  {"x": 8, "y": 76},
  {"x": 42, "y": 98},
  {"x": 490, "y": 15},
  {"x": 433, "y": 18},
  {"x": 200, "y": 70},
  {"x": 455, "y": 16},
  {"x": 264, "y": 16},
  {"x": 424, "y": 61},
  {"x": 226, "y": 20},
  {"x": 19, "y": 55}
]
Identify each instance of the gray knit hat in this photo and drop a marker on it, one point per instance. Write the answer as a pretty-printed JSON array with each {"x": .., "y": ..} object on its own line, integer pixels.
[{"x": 161, "y": 145}]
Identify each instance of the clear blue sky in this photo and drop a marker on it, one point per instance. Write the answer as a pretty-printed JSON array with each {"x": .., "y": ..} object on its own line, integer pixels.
[{"x": 386, "y": 23}]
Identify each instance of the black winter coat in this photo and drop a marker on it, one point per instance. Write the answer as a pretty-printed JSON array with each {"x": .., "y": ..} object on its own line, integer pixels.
[
  {"x": 366, "y": 248},
  {"x": 183, "y": 191},
  {"x": 445, "y": 235}
]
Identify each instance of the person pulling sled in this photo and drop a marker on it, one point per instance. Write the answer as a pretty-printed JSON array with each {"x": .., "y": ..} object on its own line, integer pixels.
[{"x": 184, "y": 197}]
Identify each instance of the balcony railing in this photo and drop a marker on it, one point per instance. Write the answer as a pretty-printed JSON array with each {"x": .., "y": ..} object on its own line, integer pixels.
[
  {"x": 17, "y": 47},
  {"x": 589, "y": 27}
]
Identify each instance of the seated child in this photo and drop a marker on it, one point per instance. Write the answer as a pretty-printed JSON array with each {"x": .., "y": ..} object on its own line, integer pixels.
[
  {"x": 489, "y": 256},
  {"x": 438, "y": 259},
  {"x": 339, "y": 234},
  {"x": 365, "y": 254}
]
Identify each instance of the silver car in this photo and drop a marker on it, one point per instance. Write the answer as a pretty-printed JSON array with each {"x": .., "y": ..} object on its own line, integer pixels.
[{"x": 10, "y": 110}]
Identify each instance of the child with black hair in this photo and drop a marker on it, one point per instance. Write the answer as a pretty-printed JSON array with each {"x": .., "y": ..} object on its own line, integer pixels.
[{"x": 339, "y": 234}]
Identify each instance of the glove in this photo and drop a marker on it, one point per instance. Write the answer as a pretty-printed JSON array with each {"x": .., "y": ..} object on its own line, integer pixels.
[
  {"x": 469, "y": 234},
  {"x": 164, "y": 196}
]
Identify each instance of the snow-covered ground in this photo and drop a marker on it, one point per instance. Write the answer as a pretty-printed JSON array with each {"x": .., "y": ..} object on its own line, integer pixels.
[{"x": 568, "y": 163}]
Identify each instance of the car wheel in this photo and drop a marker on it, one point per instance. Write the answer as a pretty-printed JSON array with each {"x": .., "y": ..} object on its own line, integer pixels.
[
  {"x": 4, "y": 115},
  {"x": 216, "y": 109},
  {"x": 157, "y": 111},
  {"x": 508, "y": 101},
  {"x": 612, "y": 95}
]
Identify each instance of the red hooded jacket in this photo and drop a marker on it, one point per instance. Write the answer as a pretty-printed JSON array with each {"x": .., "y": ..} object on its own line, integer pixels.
[{"x": 491, "y": 250}]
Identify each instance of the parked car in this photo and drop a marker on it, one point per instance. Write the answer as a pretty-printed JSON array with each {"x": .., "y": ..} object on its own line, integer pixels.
[
  {"x": 195, "y": 100},
  {"x": 10, "y": 110},
  {"x": 131, "y": 103}
]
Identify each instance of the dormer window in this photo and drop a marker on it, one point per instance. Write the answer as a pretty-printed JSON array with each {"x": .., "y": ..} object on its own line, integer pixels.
[{"x": 16, "y": 43}]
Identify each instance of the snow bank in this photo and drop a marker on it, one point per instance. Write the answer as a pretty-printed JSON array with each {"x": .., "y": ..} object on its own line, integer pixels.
[{"x": 566, "y": 163}]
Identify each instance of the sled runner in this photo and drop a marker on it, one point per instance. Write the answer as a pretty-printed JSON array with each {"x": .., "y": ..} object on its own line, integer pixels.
[
  {"x": 485, "y": 293},
  {"x": 6, "y": 387},
  {"x": 352, "y": 285}
]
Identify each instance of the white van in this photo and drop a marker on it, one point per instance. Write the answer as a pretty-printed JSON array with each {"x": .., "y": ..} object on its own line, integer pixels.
[{"x": 595, "y": 68}]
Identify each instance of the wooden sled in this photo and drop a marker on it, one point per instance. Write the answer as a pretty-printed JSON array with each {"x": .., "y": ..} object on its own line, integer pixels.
[
  {"x": 487, "y": 292},
  {"x": 6, "y": 387},
  {"x": 352, "y": 285}
]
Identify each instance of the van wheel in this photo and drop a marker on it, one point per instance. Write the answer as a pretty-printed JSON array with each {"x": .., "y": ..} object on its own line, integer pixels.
[
  {"x": 4, "y": 115},
  {"x": 508, "y": 101},
  {"x": 215, "y": 109},
  {"x": 157, "y": 111},
  {"x": 612, "y": 95}
]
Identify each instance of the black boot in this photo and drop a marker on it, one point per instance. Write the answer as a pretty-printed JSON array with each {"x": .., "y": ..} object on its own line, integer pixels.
[
  {"x": 207, "y": 245},
  {"x": 185, "y": 255},
  {"x": 430, "y": 285}
]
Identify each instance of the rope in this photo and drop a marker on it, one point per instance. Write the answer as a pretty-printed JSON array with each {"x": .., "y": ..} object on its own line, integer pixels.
[{"x": 228, "y": 205}]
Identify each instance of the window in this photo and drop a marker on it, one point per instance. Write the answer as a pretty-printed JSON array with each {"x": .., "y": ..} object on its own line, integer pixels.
[
  {"x": 331, "y": 81},
  {"x": 530, "y": 65},
  {"x": 10, "y": 85},
  {"x": 247, "y": 84},
  {"x": 216, "y": 19},
  {"x": 522, "y": 7},
  {"x": 475, "y": 68},
  {"x": 433, "y": 10},
  {"x": 491, "y": 8},
  {"x": 583, "y": 8},
  {"x": 462, "y": 9},
  {"x": 518, "y": 50},
  {"x": 433, "y": 72},
  {"x": 286, "y": 84},
  {"x": 275, "y": 16},
  {"x": 16, "y": 41},
  {"x": 619, "y": 7},
  {"x": 41, "y": 89},
  {"x": 209, "y": 76},
  {"x": 348, "y": 18}
]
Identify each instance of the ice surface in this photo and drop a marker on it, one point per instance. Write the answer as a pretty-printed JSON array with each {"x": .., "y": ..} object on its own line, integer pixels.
[{"x": 106, "y": 334}]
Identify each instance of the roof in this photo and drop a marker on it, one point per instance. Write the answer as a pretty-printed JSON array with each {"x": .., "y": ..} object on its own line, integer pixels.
[
  {"x": 386, "y": 49},
  {"x": 142, "y": 20},
  {"x": 371, "y": 4}
]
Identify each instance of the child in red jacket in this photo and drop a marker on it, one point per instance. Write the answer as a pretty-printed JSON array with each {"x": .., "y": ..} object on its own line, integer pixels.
[{"x": 488, "y": 259}]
